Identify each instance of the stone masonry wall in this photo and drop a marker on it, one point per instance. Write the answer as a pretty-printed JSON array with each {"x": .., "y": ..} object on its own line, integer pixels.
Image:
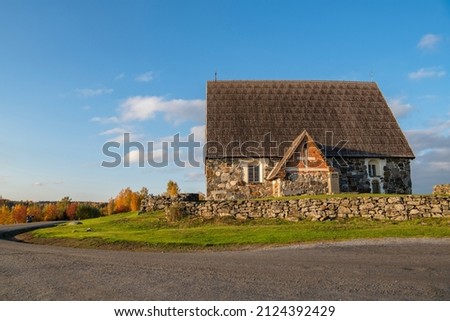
[
  {"x": 225, "y": 180},
  {"x": 395, "y": 178},
  {"x": 310, "y": 183},
  {"x": 352, "y": 175},
  {"x": 397, "y": 208}
]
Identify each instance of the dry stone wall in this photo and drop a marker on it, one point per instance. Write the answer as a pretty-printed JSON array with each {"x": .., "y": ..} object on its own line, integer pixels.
[
  {"x": 399, "y": 208},
  {"x": 160, "y": 202},
  {"x": 442, "y": 189}
]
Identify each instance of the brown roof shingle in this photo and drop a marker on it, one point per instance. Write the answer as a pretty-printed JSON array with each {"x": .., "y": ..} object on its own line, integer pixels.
[{"x": 352, "y": 112}]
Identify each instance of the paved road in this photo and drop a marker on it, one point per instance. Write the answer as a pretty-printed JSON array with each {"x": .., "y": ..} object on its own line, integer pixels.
[
  {"x": 11, "y": 230},
  {"x": 414, "y": 269}
]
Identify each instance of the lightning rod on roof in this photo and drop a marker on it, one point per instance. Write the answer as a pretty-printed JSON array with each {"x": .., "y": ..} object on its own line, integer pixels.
[
  {"x": 215, "y": 76},
  {"x": 371, "y": 75}
]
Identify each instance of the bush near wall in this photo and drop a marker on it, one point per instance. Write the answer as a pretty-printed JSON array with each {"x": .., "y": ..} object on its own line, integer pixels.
[{"x": 442, "y": 189}]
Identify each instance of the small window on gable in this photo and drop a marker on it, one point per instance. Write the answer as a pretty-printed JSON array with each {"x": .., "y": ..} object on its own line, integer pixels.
[
  {"x": 305, "y": 155},
  {"x": 253, "y": 174},
  {"x": 373, "y": 168}
]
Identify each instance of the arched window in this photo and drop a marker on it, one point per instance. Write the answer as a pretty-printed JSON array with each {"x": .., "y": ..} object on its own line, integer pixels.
[{"x": 373, "y": 168}]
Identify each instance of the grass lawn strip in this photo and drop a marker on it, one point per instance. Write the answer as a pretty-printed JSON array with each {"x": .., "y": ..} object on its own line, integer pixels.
[{"x": 151, "y": 231}]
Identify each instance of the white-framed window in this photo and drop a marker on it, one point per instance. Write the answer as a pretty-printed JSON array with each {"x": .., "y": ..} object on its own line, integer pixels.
[
  {"x": 253, "y": 172},
  {"x": 375, "y": 171},
  {"x": 373, "y": 167}
]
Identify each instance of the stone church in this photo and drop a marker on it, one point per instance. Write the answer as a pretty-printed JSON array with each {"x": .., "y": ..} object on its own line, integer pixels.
[{"x": 278, "y": 138}]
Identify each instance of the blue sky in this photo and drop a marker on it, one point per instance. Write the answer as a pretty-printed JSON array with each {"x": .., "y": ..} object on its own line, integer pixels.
[{"x": 77, "y": 74}]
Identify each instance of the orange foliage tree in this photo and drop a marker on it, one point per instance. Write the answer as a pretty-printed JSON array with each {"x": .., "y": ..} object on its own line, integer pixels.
[
  {"x": 123, "y": 201},
  {"x": 135, "y": 203},
  {"x": 126, "y": 201},
  {"x": 71, "y": 210},
  {"x": 36, "y": 211},
  {"x": 5, "y": 215},
  {"x": 51, "y": 212},
  {"x": 19, "y": 213}
]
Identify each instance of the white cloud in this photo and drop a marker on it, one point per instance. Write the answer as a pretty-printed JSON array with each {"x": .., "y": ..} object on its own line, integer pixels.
[
  {"x": 105, "y": 120},
  {"x": 441, "y": 166},
  {"x": 158, "y": 155},
  {"x": 119, "y": 76},
  {"x": 145, "y": 77},
  {"x": 432, "y": 149},
  {"x": 199, "y": 133},
  {"x": 114, "y": 131},
  {"x": 429, "y": 97},
  {"x": 175, "y": 111},
  {"x": 398, "y": 107},
  {"x": 435, "y": 72},
  {"x": 158, "y": 151},
  {"x": 40, "y": 184},
  {"x": 194, "y": 177},
  {"x": 429, "y": 41},
  {"x": 119, "y": 136},
  {"x": 91, "y": 92},
  {"x": 135, "y": 156},
  {"x": 154, "y": 157}
]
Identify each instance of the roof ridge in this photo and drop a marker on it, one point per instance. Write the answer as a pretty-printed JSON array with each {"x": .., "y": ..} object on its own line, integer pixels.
[{"x": 293, "y": 80}]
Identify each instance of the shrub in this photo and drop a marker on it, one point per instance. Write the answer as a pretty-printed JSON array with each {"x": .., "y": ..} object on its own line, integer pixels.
[
  {"x": 175, "y": 212},
  {"x": 85, "y": 211},
  {"x": 172, "y": 189}
]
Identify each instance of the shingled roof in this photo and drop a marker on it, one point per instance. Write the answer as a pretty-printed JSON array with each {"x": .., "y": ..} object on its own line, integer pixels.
[{"x": 352, "y": 112}]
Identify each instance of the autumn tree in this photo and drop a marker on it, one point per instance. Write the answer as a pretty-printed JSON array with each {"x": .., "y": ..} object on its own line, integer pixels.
[
  {"x": 123, "y": 201},
  {"x": 19, "y": 213},
  {"x": 51, "y": 213},
  {"x": 143, "y": 193},
  {"x": 71, "y": 211},
  {"x": 135, "y": 202},
  {"x": 35, "y": 210},
  {"x": 172, "y": 189},
  {"x": 63, "y": 204},
  {"x": 5, "y": 215},
  {"x": 110, "y": 208},
  {"x": 126, "y": 201}
]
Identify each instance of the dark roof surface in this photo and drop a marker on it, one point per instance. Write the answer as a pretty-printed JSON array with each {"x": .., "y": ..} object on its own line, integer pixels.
[{"x": 351, "y": 115}]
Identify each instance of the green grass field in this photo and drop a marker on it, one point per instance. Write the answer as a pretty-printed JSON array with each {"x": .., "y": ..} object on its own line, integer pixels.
[{"x": 151, "y": 231}]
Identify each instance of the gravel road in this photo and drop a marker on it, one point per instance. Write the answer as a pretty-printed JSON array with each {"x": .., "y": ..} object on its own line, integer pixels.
[{"x": 388, "y": 269}]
